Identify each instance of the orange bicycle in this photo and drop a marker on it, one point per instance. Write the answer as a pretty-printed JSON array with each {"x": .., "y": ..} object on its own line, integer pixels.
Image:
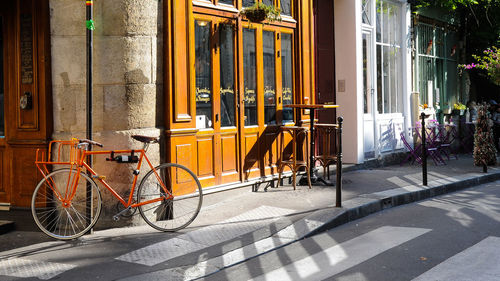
[{"x": 67, "y": 202}]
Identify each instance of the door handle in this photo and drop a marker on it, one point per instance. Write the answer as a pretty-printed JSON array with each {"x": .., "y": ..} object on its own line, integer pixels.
[{"x": 26, "y": 101}]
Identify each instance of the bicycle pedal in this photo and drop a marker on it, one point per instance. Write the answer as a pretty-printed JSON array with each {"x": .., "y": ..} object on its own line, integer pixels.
[
  {"x": 99, "y": 177},
  {"x": 116, "y": 218}
]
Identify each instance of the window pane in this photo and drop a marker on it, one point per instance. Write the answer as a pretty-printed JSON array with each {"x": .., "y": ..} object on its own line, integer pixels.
[
  {"x": 203, "y": 75},
  {"x": 366, "y": 11},
  {"x": 380, "y": 89},
  {"x": 287, "y": 75},
  {"x": 227, "y": 75},
  {"x": 269, "y": 77},
  {"x": 249, "y": 77},
  {"x": 248, "y": 3},
  {"x": 2, "y": 121},
  {"x": 379, "y": 21},
  {"x": 285, "y": 7},
  {"x": 228, "y": 2},
  {"x": 268, "y": 2}
]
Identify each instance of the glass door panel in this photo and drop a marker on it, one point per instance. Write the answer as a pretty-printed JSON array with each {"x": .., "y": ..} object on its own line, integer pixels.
[
  {"x": 226, "y": 57},
  {"x": 203, "y": 70},
  {"x": 269, "y": 52},
  {"x": 249, "y": 77},
  {"x": 369, "y": 108},
  {"x": 287, "y": 76}
]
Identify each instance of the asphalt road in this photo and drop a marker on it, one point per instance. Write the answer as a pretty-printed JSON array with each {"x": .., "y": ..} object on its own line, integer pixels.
[{"x": 452, "y": 237}]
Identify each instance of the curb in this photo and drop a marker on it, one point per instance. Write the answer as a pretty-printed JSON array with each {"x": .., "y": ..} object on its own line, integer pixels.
[{"x": 371, "y": 203}]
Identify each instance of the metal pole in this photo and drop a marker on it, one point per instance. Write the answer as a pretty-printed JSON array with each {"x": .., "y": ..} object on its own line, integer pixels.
[
  {"x": 424, "y": 151},
  {"x": 338, "y": 184},
  {"x": 90, "y": 27}
]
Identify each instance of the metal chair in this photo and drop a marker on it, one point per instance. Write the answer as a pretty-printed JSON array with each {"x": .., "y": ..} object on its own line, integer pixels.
[
  {"x": 326, "y": 155},
  {"x": 299, "y": 142}
]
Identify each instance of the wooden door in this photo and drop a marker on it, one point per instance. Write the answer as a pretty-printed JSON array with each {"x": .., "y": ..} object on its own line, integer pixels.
[
  {"x": 25, "y": 122},
  {"x": 216, "y": 97},
  {"x": 267, "y": 84}
]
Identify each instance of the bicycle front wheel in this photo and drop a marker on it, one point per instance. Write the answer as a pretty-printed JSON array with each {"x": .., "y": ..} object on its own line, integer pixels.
[
  {"x": 57, "y": 215},
  {"x": 173, "y": 212}
]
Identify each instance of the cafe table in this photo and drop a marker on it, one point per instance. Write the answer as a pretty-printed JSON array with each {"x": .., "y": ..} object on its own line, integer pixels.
[{"x": 312, "y": 107}]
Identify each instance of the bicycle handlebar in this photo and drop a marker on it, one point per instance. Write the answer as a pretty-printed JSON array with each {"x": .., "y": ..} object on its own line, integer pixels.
[{"x": 90, "y": 142}]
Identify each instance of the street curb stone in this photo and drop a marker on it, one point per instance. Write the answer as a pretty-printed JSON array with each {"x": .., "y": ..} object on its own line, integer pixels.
[{"x": 368, "y": 204}]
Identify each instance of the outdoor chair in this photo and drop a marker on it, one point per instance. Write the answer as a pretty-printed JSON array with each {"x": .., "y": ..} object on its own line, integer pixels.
[{"x": 415, "y": 153}]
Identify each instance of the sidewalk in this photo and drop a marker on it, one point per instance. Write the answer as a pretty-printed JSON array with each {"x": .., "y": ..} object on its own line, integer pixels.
[{"x": 242, "y": 221}]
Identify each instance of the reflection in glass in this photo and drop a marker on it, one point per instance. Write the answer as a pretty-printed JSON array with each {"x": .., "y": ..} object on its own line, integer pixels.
[
  {"x": 366, "y": 12},
  {"x": 203, "y": 76},
  {"x": 228, "y": 2},
  {"x": 248, "y": 3},
  {"x": 227, "y": 75},
  {"x": 287, "y": 75},
  {"x": 285, "y": 7},
  {"x": 2, "y": 117},
  {"x": 269, "y": 77},
  {"x": 268, "y": 2},
  {"x": 249, "y": 77}
]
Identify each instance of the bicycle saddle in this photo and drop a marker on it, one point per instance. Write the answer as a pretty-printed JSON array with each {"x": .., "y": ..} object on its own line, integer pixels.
[{"x": 146, "y": 139}]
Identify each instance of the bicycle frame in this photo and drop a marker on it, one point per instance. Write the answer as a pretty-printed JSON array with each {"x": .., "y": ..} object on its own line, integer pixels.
[{"x": 79, "y": 164}]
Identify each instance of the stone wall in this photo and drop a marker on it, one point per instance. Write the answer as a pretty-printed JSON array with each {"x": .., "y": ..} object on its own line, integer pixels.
[{"x": 127, "y": 80}]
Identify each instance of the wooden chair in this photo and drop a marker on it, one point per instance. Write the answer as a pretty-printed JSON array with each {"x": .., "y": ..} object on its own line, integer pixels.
[
  {"x": 326, "y": 133},
  {"x": 299, "y": 143}
]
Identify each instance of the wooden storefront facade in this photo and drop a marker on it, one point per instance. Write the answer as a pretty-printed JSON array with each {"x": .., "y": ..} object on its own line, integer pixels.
[
  {"x": 25, "y": 107},
  {"x": 226, "y": 81}
]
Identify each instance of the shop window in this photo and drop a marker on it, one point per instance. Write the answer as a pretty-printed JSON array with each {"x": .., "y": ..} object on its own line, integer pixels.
[
  {"x": 203, "y": 68},
  {"x": 250, "y": 77},
  {"x": 388, "y": 34},
  {"x": 248, "y": 3},
  {"x": 268, "y": 2},
  {"x": 226, "y": 39},
  {"x": 227, "y": 2},
  {"x": 287, "y": 75},
  {"x": 286, "y": 7},
  {"x": 269, "y": 77}
]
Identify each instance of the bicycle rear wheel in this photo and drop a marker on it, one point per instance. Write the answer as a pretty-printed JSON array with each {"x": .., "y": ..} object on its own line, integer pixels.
[
  {"x": 173, "y": 213},
  {"x": 68, "y": 220}
]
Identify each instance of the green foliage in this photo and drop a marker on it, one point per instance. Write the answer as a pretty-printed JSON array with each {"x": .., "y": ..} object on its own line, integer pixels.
[
  {"x": 447, "y": 4},
  {"x": 489, "y": 62},
  {"x": 260, "y": 12}
]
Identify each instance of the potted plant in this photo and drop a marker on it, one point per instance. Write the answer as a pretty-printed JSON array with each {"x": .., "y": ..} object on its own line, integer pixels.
[{"x": 260, "y": 12}]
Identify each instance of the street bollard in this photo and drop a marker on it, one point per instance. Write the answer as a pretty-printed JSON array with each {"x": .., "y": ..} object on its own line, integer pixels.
[
  {"x": 338, "y": 195},
  {"x": 424, "y": 151}
]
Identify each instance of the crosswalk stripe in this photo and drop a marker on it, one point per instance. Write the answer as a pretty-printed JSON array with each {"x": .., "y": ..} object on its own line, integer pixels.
[
  {"x": 345, "y": 255},
  {"x": 204, "y": 266},
  {"x": 24, "y": 268},
  {"x": 479, "y": 262},
  {"x": 205, "y": 237}
]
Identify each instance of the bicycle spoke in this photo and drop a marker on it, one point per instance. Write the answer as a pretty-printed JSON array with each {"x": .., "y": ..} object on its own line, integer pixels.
[
  {"x": 180, "y": 204},
  {"x": 58, "y": 221}
]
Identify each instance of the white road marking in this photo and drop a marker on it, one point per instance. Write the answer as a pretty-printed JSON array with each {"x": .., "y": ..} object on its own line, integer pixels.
[
  {"x": 205, "y": 237},
  {"x": 204, "y": 266},
  {"x": 24, "y": 268},
  {"x": 479, "y": 262},
  {"x": 340, "y": 257}
]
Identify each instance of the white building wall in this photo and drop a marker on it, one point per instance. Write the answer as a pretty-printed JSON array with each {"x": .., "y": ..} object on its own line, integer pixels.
[{"x": 349, "y": 84}]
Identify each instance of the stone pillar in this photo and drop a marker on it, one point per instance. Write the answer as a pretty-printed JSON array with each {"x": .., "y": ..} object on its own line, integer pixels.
[{"x": 128, "y": 86}]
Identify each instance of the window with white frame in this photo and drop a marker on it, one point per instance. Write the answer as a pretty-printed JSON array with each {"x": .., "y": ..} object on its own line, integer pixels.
[{"x": 388, "y": 56}]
